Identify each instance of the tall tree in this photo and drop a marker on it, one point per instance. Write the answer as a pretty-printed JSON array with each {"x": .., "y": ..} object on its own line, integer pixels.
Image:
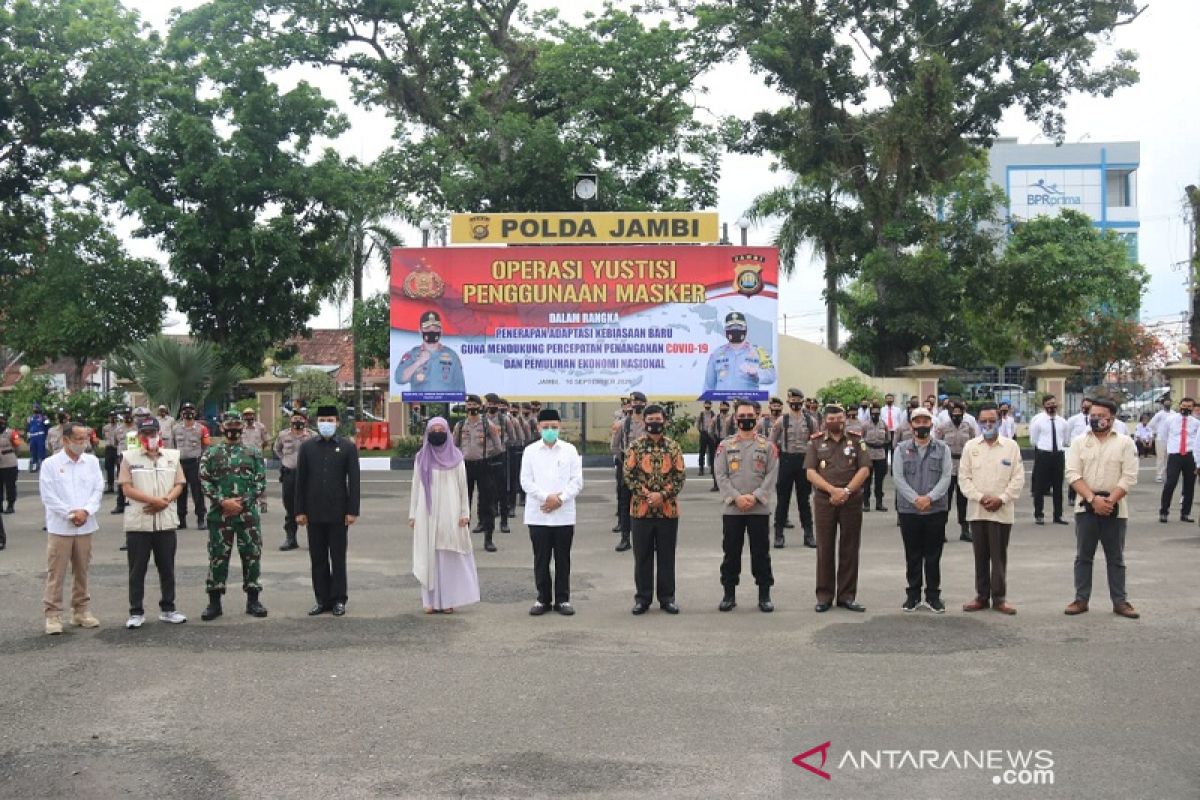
[
  {"x": 1108, "y": 344},
  {"x": 83, "y": 295},
  {"x": 1192, "y": 193},
  {"x": 891, "y": 99},
  {"x": 172, "y": 371}
]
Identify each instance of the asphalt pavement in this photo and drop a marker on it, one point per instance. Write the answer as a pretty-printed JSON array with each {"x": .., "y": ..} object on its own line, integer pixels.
[{"x": 489, "y": 702}]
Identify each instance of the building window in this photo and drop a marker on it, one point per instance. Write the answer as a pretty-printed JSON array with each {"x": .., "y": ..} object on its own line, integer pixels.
[{"x": 1119, "y": 186}]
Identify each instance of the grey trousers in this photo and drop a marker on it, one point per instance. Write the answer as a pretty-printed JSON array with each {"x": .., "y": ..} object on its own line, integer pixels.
[{"x": 1109, "y": 533}]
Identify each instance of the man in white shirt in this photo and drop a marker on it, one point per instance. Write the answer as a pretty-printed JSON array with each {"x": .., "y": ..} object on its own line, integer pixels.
[
  {"x": 894, "y": 418},
  {"x": 1158, "y": 424},
  {"x": 1008, "y": 425},
  {"x": 71, "y": 486},
  {"x": 1049, "y": 436},
  {"x": 552, "y": 477},
  {"x": 1182, "y": 433}
]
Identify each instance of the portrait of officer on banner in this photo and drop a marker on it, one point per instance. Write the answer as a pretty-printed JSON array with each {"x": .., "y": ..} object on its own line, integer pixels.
[
  {"x": 739, "y": 365},
  {"x": 431, "y": 366}
]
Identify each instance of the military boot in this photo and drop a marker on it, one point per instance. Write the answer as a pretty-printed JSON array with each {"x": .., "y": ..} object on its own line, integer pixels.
[
  {"x": 779, "y": 542},
  {"x": 253, "y": 607},
  {"x": 624, "y": 544},
  {"x": 764, "y": 599},
  {"x": 214, "y": 607},
  {"x": 729, "y": 601},
  {"x": 488, "y": 544},
  {"x": 809, "y": 539}
]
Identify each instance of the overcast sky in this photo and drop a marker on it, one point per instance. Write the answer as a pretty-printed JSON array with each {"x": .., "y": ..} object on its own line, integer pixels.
[{"x": 1162, "y": 112}]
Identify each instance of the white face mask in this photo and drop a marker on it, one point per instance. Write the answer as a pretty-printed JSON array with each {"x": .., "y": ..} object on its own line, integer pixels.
[
  {"x": 77, "y": 449},
  {"x": 327, "y": 429}
]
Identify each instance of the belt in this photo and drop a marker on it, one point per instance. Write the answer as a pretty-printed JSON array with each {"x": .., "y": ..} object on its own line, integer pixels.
[
  {"x": 286, "y": 470},
  {"x": 802, "y": 453},
  {"x": 186, "y": 460},
  {"x": 955, "y": 457}
]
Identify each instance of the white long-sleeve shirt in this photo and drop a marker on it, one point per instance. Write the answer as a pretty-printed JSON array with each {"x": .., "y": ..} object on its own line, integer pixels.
[
  {"x": 67, "y": 485},
  {"x": 896, "y": 419},
  {"x": 1172, "y": 435},
  {"x": 547, "y": 470},
  {"x": 1157, "y": 422},
  {"x": 1043, "y": 438},
  {"x": 1008, "y": 427}
]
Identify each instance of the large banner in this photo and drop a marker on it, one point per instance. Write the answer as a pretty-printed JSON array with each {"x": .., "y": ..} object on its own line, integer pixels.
[
  {"x": 610, "y": 227},
  {"x": 567, "y": 323}
]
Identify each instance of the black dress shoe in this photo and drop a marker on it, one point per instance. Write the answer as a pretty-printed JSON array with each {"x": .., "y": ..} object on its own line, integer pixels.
[
  {"x": 290, "y": 544},
  {"x": 670, "y": 607},
  {"x": 640, "y": 608},
  {"x": 490, "y": 546},
  {"x": 117, "y": 511},
  {"x": 810, "y": 542},
  {"x": 504, "y": 528},
  {"x": 339, "y": 609},
  {"x": 714, "y": 489},
  {"x": 1163, "y": 518},
  {"x": 850, "y": 605},
  {"x": 537, "y": 609},
  {"x": 779, "y": 542},
  {"x": 880, "y": 507},
  {"x": 616, "y": 528},
  {"x": 566, "y": 609},
  {"x": 478, "y": 528},
  {"x": 765, "y": 605},
  {"x": 200, "y": 526},
  {"x": 1060, "y": 521},
  {"x": 728, "y": 603},
  {"x": 623, "y": 545},
  {"x": 821, "y": 608},
  {"x": 1039, "y": 520},
  {"x": 787, "y": 523},
  {"x": 319, "y": 608},
  {"x": 867, "y": 508},
  {"x": 1185, "y": 518}
]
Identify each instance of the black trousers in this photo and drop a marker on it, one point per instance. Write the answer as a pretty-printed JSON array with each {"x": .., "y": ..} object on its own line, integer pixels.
[
  {"x": 8, "y": 485},
  {"x": 287, "y": 479},
  {"x": 960, "y": 499},
  {"x": 879, "y": 469},
  {"x": 3, "y": 534},
  {"x": 327, "y": 553},
  {"x": 514, "y": 477},
  {"x": 480, "y": 474},
  {"x": 654, "y": 537},
  {"x": 191, "y": 473},
  {"x": 1048, "y": 471},
  {"x": 110, "y": 466},
  {"x": 793, "y": 476},
  {"x": 923, "y": 535},
  {"x": 736, "y": 528},
  {"x": 1179, "y": 466},
  {"x": 624, "y": 496},
  {"x": 708, "y": 448},
  {"x": 498, "y": 469},
  {"x": 552, "y": 541},
  {"x": 139, "y": 546}
]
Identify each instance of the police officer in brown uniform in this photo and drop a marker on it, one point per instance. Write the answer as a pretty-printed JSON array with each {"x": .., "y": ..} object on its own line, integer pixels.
[
  {"x": 875, "y": 434},
  {"x": 708, "y": 447},
  {"x": 747, "y": 470},
  {"x": 287, "y": 448},
  {"x": 190, "y": 438},
  {"x": 113, "y": 442},
  {"x": 479, "y": 440},
  {"x": 722, "y": 427},
  {"x": 791, "y": 435},
  {"x": 838, "y": 465},
  {"x": 624, "y": 433},
  {"x": 956, "y": 433},
  {"x": 10, "y": 440}
]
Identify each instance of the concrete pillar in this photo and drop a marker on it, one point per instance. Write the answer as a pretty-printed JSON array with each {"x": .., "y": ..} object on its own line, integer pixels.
[
  {"x": 926, "y": 374},
  {"x": 269, "y": 390},
  {"x": 1052, "y": 375}
]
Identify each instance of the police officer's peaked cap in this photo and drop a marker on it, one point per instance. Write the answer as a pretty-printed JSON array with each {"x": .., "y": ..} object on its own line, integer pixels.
[
  {"x": 249, "y": 410},
  {"x": 919, "y": 411},
  {"x": 431, "y": 320},
  {"x": 188, "y": 406},
  {"x": 794, "y": 392},
  {"x": 735, "y": 319},
  {"x": 834, "y": 408},
  {"x": 149, "y": 423},
  {"x": 637, "y": 396}
]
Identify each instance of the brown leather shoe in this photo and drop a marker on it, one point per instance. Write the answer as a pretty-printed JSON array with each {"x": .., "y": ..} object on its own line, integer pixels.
[
  {"x": 976, "y": 605},
  {"x": 1076, "y": 607},
  {"x": 1004, "y": 608},
  {"x": 1126, "y": 610}
]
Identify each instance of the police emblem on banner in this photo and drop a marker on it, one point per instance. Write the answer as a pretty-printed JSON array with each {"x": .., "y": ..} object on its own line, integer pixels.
[
  {"x": 423, "y": 283},
  {"x": 747, "y": 273},
  {"x": 479, "y": 227}
]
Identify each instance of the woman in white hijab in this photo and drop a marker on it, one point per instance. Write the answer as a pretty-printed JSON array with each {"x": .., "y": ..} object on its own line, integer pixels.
[{"x": 440, "y": 516}]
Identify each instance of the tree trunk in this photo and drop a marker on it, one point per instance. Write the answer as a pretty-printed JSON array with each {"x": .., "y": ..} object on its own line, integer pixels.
[
  {"x": 356, "y": 313},
  {"x": 831, "y": 309}
]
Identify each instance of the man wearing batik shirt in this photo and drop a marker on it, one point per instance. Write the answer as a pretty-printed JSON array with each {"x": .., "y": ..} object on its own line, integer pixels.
[{"x": 654, "y": 472}]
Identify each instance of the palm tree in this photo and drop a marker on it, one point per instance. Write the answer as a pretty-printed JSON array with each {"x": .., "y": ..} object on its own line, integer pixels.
[{"x": 171, "y": 371}]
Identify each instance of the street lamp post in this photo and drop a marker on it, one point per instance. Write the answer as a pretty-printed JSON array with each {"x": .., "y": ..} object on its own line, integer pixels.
[{"x": 743, "y": 225}]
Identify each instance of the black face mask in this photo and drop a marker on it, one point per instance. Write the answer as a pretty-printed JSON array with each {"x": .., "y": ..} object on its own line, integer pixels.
[
  {"x": 737, "y": 337},
  {"x": 655, "y": 427},
  {"x": 473, "y": 410},
  {"x": 233, "y": 435},
  {"x": 437, "y": 438},
  {"x": 188, "y": 415},
  {"x": 874, "y": 416},
  {"x": 921, "y": 432},
  {"x": 1099, "y": 425},
  {"x": 492, "y": 409},
  {"x": 747, "y": 424},
  {"x": 795, "y": 406},
  {"x": 1187, "y": 412},
  {"x": 775, "y": 412},
  {"x": 956, "y": 418},
  {"x": 431, "y": 337}
]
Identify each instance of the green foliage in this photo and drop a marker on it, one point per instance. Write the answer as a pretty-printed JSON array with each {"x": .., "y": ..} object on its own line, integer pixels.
[
  {"x": 30, "y": 389},
  {"x": 372, "y": 327},
  {"x": 172, "y": 372},
  {"x": 310, "y": 386},
  {"x": 91, "y": 406},
  {"x": 83, "y": 295},
  {"x": 847, "y": 392},
  {"x": 679, "y": 422}
]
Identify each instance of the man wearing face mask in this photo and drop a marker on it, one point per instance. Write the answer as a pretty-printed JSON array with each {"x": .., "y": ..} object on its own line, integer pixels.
[
  {"x": 234, "y": 479},
  {"x": 1077, "y": 425},
  {"x": 1048, "y": 435},
  {"x": 126, "y": 436},
  {"x": 327, "y": 504},
  {"x": 956, "y": 432},
  {"x": 722, "y": 428},
  {"x": 922, "y": 468},
  {"x": 654, "y": 474},
  {"x": 875, "y": 436},
  {"x": 747, "y": 471},
  {"x": 1102, "y": 465},
  {"x": 1008, "y": 425},
  {"x": 738, "y": 365},
  {"x": 708, "y": 448},
  {"x": 111, "y": 434},
  {"x": 287, "y": 450},
  {"x": 838, "y": 465},
  {"x": 1158, "y": 424},
  {"x": 624, "y": 433},
  {"x": 991, "y": 476},
  {"x": 904, "y": 433},
  {"x": 431, "y": 366},
  {"x": 791, "y": 437},
  {"x": 498, "y": 464},
  {"x": 518, "y": 439},
  {"x": 1183, "y": 432},
  {"x": 552, "y": 476},
  {"x": 768, "y": 421},
  {"x": 893, "y": 417},
  {"x": 54, "y": 436},
  {"x": 10, "y": 440},
  {"x": 479, "y": 440},
  {"x": 35, "y": 429},
  {"x": 190, "y": 437},
  {"x": 152, "y": 479}
]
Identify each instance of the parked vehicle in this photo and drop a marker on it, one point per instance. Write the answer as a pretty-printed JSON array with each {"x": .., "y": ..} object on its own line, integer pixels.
[{"x": 1147, "y": 401}]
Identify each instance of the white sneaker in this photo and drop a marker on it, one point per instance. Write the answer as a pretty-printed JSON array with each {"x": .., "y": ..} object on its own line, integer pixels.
[
  {"x": 135, "y": 621},
  {"x": 173, "y": 617}
]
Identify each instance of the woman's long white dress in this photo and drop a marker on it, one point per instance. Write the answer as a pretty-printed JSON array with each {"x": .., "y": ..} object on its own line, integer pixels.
[{"x": 443, "y": 560}]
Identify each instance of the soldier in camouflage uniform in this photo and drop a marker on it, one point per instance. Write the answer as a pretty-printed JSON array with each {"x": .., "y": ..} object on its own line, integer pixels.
[{"x": 234, "y": 478}]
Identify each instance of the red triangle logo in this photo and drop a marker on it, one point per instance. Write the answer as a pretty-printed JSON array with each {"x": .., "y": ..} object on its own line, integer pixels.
[{"x": 823, "y": 749}]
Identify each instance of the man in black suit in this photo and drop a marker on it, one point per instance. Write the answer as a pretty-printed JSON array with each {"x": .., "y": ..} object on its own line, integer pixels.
[{"x": 327, "y": 503}]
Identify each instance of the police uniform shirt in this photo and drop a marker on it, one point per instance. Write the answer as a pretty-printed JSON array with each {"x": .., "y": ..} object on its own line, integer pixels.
[
  {"x": 442, "y": 372},
  {"x": 287, "y": 446},
  {"x": 722, "y": 426},
  {"x": 165, "y": 426},
  {"x": 875, "y": 436},
  {"x": 728, "y": 365},
  {"x": 957, "y": 437},
  {"x": 747, "y": 466},
  {"x": 475, "y": 444},
  {"x": 837, "y": 462},
  {"x": 705, "y": 421},
  {"x": 624, "y": 433},
  {"x": 792, "y": 433},
  {"x": 188, "y": 440},
  {"x": 255, "y": 436},
  {"x": 111, "y": 434}
]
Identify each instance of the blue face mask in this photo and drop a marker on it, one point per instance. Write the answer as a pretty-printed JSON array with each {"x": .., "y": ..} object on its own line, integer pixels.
[
  {"x": 549, "y": 435},
  {"x": 990, "y": 430},
  {"x": 327, "y": 429}
]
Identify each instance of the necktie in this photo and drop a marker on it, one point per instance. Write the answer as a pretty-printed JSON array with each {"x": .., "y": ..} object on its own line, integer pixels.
[
  {"x": 1053, "y": 435},
  {"x": 1183, "y": 438},
  {"x": 889, "y": 418}
]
